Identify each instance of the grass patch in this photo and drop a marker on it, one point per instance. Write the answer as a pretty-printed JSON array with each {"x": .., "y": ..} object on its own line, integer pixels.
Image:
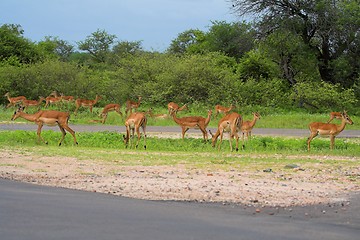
[
  {"x": 109, "y": 146},
  {"x": 290, "y": 120}
]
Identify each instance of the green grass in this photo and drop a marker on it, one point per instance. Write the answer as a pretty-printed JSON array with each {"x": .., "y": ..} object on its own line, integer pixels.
[
  {"x": 269, "y": 119},
  {"x": 114, "y": 140}
]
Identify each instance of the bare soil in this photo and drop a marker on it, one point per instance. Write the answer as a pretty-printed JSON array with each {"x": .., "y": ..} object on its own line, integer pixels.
[{"x": 316, "y": 185}]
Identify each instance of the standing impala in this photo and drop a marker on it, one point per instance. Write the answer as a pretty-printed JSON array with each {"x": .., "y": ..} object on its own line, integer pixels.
[
  {"x": 32, "y": 103},
  {"x": 247, "y": 126},
  {"x": 230, "y": 123},
  {"x": 108, "y": 108},
  {"x": 86, "y": 103},
  {"x": 50, "y": 118},
  {"x": 173, "y": 107},
  {"x": 222, "y": 109},
  {"x": 328, "y": 129},
  {"x": 131, "y": 105},
  {"x": 14, "y": 100},
  {"x": 193, "y": 122},
  {"x": 132, "y": 124}
]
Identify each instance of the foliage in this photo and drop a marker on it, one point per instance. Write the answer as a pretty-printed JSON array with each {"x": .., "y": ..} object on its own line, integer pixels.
[
  {"x": 15, "y": 47},
  {"x": 329, "y": 28},
  {"x": 325, "y": 96},
  {"x": 228, "y": 64},
  {"x": 98, "y": 45}
]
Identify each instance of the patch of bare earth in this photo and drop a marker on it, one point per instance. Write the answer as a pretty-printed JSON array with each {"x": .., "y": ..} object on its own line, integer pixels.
[{"x": 275, "y": 188}]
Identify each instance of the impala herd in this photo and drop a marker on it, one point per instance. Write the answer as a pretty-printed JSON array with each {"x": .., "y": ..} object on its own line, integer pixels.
[{"x": 231, "y": 122}]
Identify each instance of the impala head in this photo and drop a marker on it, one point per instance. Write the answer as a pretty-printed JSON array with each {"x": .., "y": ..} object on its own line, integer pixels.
[
  {"x": 345, "y": 116},
  {"x": 17, "y": 113},
  {"x": 7, "y": 94},
  {"x": 256, "y": 115}
]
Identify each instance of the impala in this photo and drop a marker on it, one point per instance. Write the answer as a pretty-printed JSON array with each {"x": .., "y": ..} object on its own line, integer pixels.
[
  {"x": 14, "y": 100},
  {"x": 333, "y": 115},
  {"x": 132, "y": 105},
  {"x": 53, "y": 98},
  {"x": 158, "y": 115},
  {"x": 86, "y": 103},
  {"x": 109, "y": 108},
  {"x": 173, "y": 107},
  {"x": 66, "y": 98},
  {"x": 195, "y": 122},
  {"x": 230, "y": 123},
  {"x": 328, "y": 129},
  {"x": 132, "y": 124},
  {"x": 50, "y": 118},
  {"x": 32, "y": 103},
  {"x": 222, "y": 109},
  {"x": 247, "y": 126}
]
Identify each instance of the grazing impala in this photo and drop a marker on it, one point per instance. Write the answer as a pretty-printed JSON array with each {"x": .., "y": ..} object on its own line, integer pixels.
[
  {"x": 333, "y": 115},
  {"x": 66, "y": 98},
  {"x": 32, "y": 103},
  {"x": 14, "y": 100},
  {"x": 109, "y": 108},
  {"x": 132, "y": 124},
  {"x": 86, "y": 103},
  {"x": 130, "y": 105},
  {"x": 328, "y": 129},
  {"x": 50, "y": 118},
  {"x": 230, "y": 123},
  {"x": 222, "y": 109},
  {"x": 193, "y": 122},
  {"x": 247, "y": 126},
  {"x": 53, "y": 98},
  {"x": 173, "y": 107}
]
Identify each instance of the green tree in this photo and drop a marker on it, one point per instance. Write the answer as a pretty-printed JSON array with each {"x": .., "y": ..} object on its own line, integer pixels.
[
  {"x": 233, "y": 39},
  {"x": 330, "y": 28},
  {"x": 98, "y": 45},
  {"x": 14, "y": 46},
  {"x": 57, "y": 48},
  {"x": 185, "y": 41}
]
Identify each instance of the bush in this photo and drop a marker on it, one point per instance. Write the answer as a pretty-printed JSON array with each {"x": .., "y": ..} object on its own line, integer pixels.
[{"x": 321, "y": 96}]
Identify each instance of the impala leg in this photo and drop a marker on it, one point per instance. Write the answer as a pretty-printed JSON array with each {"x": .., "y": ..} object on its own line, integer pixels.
[
  {"x": 138, "y": 137},
  {"x": 236, "y": 136},
  {"x": 312, "y": 135},
  {"x": 63, "y": 134},
  {"x": 119, "y": 112},
  {"x": 76, "y": 109},
  {"x": 230, "y": 140},
  {"x": 104, "y": 118},
  {"x": 72, "y": 132},
  {"x": 144, "y": 130},
  {"x": 132, "y": 137},
  {"x": 332, "y": 141},
  {"x": 40, "y": 125},
  {"x": 221, "y": 138},
  {"x": 91, "y": 109},
  {"x": 184, "y": 130},
  {"x": 205, "y": 136}
]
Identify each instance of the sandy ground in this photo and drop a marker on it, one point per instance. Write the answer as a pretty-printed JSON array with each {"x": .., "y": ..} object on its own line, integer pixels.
[{"x": 294, "y": 187}]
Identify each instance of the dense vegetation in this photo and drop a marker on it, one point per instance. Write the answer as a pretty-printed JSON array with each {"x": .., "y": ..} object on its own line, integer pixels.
[{"x": 298, "y": 57}]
